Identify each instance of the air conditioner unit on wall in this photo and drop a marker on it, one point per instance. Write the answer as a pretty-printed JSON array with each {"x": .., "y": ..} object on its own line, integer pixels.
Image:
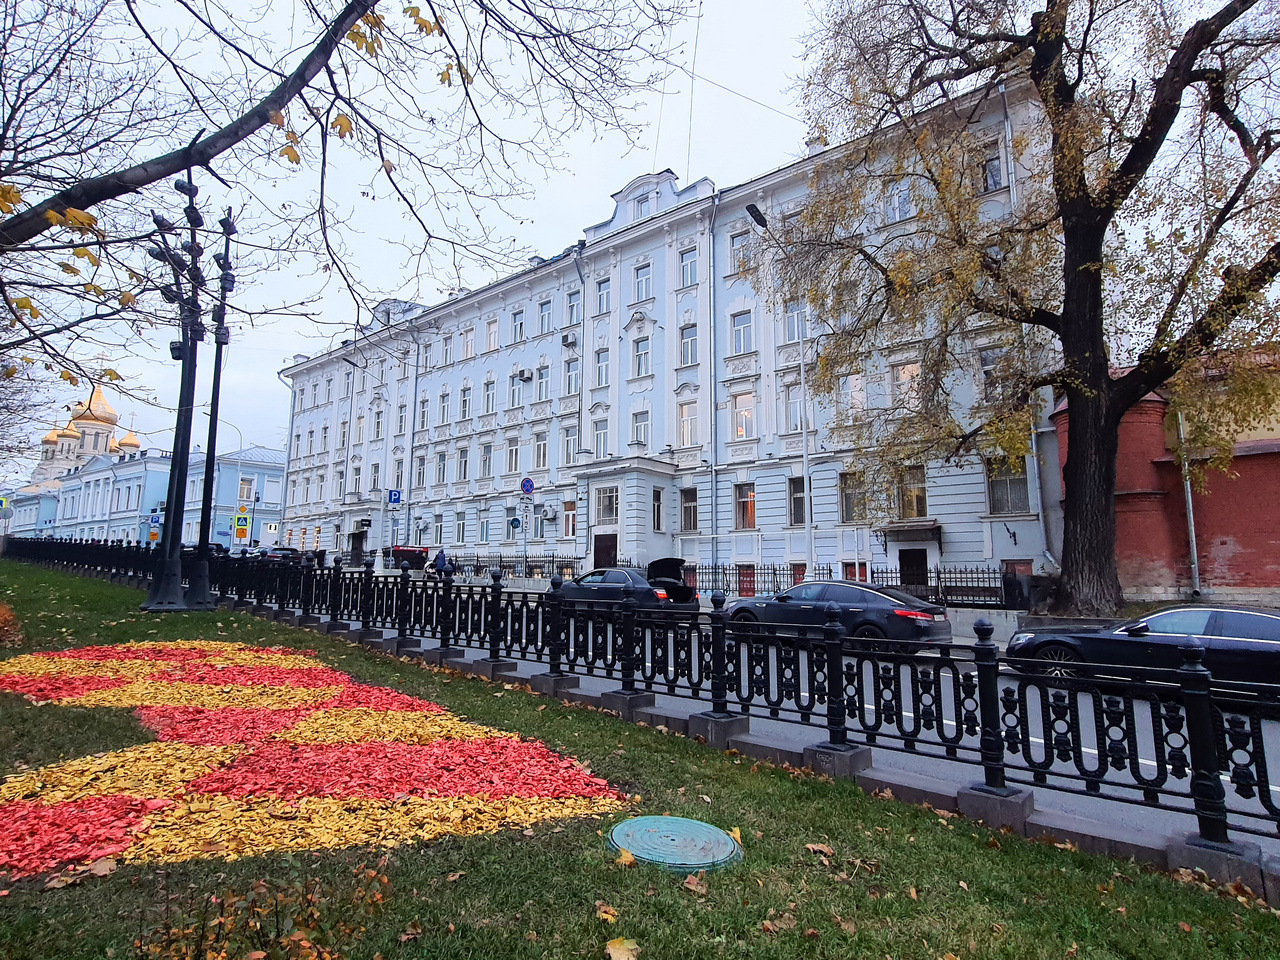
[
  {"x": 525, "y": 374},
  {"x": 568, "y": 340},
  {"x": 548, "y": 513}
]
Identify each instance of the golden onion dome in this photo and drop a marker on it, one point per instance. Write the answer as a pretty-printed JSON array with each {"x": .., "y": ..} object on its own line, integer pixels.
[
  {"x": 50, "y": 437},
  {"x": 97, "y": 409},
  {"x": 69, "y": 432},
  {"x": 130, "y": 440}
]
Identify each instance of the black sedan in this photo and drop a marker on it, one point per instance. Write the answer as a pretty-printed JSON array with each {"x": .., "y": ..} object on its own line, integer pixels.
[
  {"x": 657, "y": 586},
  {"x": 866, "y": 612},
  {"x": 1240, "y": 643}
]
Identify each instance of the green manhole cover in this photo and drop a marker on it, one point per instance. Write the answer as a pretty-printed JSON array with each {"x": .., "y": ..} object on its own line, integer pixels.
[{"x": 676, "y": 843}]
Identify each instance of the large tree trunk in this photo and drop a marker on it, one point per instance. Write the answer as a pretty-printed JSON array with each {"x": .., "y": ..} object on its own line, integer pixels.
[{"x": 1090, "y": 584}]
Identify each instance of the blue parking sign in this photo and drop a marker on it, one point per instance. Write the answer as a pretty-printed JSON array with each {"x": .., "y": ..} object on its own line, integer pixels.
[
  {"x": 393, "y": 496},
  {"x": 155, "y": 519}
]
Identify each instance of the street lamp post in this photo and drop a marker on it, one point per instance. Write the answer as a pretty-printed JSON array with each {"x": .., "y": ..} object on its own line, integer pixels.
[
  {"x": 198, "y": 596},
  {"x": 166, "y": 586},
  {"x": 758, "y": 216}
]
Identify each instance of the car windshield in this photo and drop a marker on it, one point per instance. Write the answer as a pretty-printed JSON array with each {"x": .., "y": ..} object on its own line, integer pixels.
[
  {"x": 1182, "y": 622},
  {"x": 902, "y": 596}
]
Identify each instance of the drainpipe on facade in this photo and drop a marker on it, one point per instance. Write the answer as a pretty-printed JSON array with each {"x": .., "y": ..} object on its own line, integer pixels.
[
  {"x": 582, "y": 413},
  {"x": 1191, "y": 514},
  {"x": 1044, "y": 521},
  {"x": 288, "y": 458},
  {"x": 715, "y": 420}
]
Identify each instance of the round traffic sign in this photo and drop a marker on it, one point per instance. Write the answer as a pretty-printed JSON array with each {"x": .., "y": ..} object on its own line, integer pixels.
[{"x": 526, "y": 486}]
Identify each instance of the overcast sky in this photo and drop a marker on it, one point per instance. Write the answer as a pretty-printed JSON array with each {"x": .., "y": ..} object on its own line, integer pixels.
[{"x": 750, "y": 47}]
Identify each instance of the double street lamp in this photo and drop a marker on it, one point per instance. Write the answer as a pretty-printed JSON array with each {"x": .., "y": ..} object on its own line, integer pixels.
[{"x": 166, "y": 591}]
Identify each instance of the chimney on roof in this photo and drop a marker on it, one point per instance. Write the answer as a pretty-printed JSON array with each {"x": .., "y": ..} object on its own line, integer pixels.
[{"x": 816, "y": 143}]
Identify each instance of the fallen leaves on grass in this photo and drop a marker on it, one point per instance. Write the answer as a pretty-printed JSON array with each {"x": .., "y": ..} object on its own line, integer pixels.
[
  {"x": 693, "y": 883},
  {"x": 625, "y": 858},
  {"x": 605, "y": 912},
  {"x": 621, "y": 948},
  {"x": 820, "y": 848},
  {"x": 412, "y": 932}
]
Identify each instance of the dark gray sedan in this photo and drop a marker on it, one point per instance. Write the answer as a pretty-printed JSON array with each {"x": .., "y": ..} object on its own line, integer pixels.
[
  {"x": 656, "y": 586},
  {"x": 866, "y": 611},
  {"x": 1241, "y": 643}
]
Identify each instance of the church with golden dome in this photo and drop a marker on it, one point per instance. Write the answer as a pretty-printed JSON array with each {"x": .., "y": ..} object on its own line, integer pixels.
[{"x": 90, "y": 431}]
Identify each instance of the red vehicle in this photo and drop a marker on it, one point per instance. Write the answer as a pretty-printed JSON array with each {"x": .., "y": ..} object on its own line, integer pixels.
[{"x": 417, "y": 557}]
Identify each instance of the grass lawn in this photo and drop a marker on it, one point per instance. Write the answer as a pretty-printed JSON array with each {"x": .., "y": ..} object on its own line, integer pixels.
[{"x": 900, "y": 882}]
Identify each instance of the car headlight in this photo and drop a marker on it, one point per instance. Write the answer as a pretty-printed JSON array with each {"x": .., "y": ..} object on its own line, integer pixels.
[{"x": 1020, "y": 638}]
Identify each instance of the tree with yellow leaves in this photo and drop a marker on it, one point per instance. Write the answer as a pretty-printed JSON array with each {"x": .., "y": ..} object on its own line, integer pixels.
[
  {"x": 101, "y": 101},
  {"x": 1045, "y": 201}
]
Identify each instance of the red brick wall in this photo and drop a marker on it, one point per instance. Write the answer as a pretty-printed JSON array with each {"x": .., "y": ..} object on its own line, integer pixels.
[{"x": 1237, "y": 517}]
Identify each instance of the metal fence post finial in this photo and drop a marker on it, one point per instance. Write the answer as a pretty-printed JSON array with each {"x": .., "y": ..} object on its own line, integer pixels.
[
  {"x": 627, "y": 642},
  {"x": 405, "y": 585},
  {"x": 495, "y": 614},
  {"x": 833, "y": 643},
  {"x": 719, "y": 658},
  {"x": 986, "y": 656}
]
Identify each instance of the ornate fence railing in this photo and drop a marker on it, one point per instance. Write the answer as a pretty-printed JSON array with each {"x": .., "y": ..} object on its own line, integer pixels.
[{"x": 1176, "y": 739}]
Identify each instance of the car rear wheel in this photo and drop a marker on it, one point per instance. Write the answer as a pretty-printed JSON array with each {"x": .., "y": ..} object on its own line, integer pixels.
[
  {"x": 869, "y": 632},
  {"x": 745, "y": 616},
  {"x": 1057, "y": 660}
]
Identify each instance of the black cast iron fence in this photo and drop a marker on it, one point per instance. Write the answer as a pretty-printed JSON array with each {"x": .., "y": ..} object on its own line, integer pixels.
[{"x": 1169, "y": 738}]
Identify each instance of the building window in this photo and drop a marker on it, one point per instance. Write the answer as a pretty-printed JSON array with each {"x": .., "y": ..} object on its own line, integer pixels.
[
  {"x": 515, "y": 396},
  {"x": 486, "y": 461},
  {"x": 442, "y": 463},
  {"x": 738, "y": 252},
  {"x": 644, "y": 282},
  {"x": 570, "y": 445},
  {"x": 346, "y": 384},
  {"x": 320, "y": 488},
  {"x": 544, "y": 317},
  {"x": 572, "y": 377},
  {"x": 540, "y": 450},
  {"x": 688, "y": 509},
  {"x": 422, "y": 414},
  {"x": 992, "y": 388},
  {"x": 795, "y": 501},
  {"x": 602, "y": 368},
  {"x": 375, "y": 478},
  {"x": 570, "y": 518},
  {"x": 744, "y": 506},
  {"x": 468, "y": 344},
  {"x": 689, "y": 345},
  {"x": 902, "y": 383},
  {"x": 517, "y": 326},
  {"x": 420, "y": 472},
  {"x": 359, "y": 438},
  {"x": 311, "y": 442},
  {"x": 606, "y": 505},
  {"x": 464, "y": 463},
  {"x": 853, "y": 393},
  {"x": 446, "y": 350},
  {"x": 399, "y": 475},
  {"x": 293, "y": 491},
  {"x": 688, "y": 423},
  {"x": 990, "y": 174},
  {"x": 913, "y": 504},
  {"x": 795, "y": 409},
  {"x": 484, "y": 530},
  {"x": 573, "y": 308},
  {"x": 744, "y": 410},
  {"x": 797, "y": 320},
  {"x": 602, "y": 296},
  {"x": 642, "y": 365},
  {"x": 897, "y": 204},
  {"x": 543, "y": 381},
  {"x": 641, "y": 205},
  {"x": 315, "y": 393},
  {"x": 741, "y": 323},
  {"x": 328, "y": 390},
  {"x": 640, "y": 427},
  {"x": 460, "y": 528},
  {"x": 853, "y": 498},
  {"x": 657, "y": 510},
  {"x": 513, "y": 455},
  {"x": 464, "y": 403},
  {"x": 297, "y": 444},
  {"x": 246, "y": 488},
  {"x": 688, "y": 267},
  {"x": 539, "y": 523},
  {"x": 491, "y": 335},
  {"x": 355, "y": 480},
  {"x": 340, "y": 479},
  {"x": 402, "y": 418},
  {"x": 1007, "y": 486},
  {"x": 444, "y": 408},
  {"x": 377, "y": 424},
  {"x": 490, "y": 397},
  {"x": 601, "y": 429}
]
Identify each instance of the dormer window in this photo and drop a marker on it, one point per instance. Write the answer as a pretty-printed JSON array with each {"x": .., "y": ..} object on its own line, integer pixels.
[{"x": 641, "y": 207}]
